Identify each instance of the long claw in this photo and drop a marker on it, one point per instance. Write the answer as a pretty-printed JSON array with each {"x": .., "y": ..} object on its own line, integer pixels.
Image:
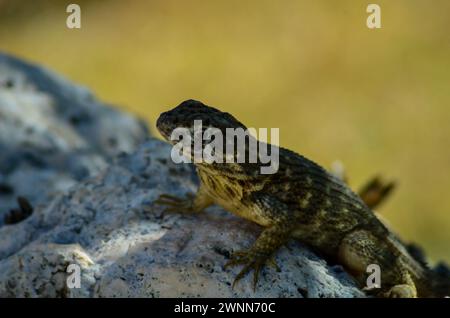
[
  {"x": 252, "y": 261},
  {"x": 175, "y": 204},
  {"x": 257, "y": 269},
  {"x": 241, "y": 274},
  {"x": 172, "y": 198},
  {"x": 236, "y": 259},
  {"x": 273, "y": 263}
]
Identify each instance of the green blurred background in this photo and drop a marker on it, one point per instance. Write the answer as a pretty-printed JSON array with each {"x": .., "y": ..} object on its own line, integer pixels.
[{"x": 378, "y": 100}]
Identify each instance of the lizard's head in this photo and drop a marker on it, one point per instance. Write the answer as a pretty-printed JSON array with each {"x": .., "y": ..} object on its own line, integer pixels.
[
  {"x": 184, "y": 115},
  {"x": 210, "y": 137},
  {"x": 191, "y": 121}
]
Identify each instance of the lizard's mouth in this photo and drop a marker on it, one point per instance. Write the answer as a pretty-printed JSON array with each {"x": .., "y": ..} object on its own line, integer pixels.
[{"x": 165, "y": 135}]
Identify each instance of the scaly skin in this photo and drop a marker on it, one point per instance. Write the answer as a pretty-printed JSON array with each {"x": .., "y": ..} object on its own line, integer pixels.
[{"x": 301, "y": 201}]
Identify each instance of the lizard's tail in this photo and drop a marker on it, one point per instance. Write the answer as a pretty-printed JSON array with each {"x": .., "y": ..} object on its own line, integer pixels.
[
  {"x": 430, "y": 282},
  {"x": 434, "y": 283},
  {"x": 437, "y": 279}
]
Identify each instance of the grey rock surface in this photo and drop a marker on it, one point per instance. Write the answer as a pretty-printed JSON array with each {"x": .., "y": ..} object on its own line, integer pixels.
[
  {"x": 126, "y": 247},
  {"x": 54, "y": 133},
  {"x": 94, "y": 208}
]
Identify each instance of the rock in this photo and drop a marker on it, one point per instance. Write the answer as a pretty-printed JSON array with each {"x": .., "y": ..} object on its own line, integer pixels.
[
  {"x": 126, "y": 247},
  {"x": 54, "y": 133},
  {"x": 94, "y": 208},
  {"x": 41, "y": 271}
]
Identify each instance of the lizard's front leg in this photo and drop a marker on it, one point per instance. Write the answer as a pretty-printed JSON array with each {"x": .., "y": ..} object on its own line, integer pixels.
[
  {"x": 261, "y": 253},
  {"x": 191, "y": 204}
]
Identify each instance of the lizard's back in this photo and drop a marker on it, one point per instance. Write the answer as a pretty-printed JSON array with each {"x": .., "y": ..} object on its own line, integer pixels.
[
  {"x": 327, "y": 214},
  {"x": 323, "y": 206}
]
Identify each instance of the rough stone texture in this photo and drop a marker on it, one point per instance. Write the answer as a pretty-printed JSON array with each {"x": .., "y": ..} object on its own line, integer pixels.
[
  {"x": 54, "y": 133},
  {"x": 127, "y": 248},
  {"x": 101, "y": 215}
]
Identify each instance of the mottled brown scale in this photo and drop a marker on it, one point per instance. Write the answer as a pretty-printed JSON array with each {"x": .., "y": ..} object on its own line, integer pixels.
[{"x": 302, "y": 201}]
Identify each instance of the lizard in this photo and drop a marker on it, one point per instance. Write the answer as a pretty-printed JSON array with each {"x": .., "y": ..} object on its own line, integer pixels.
[{"x": 301, "y": 201}]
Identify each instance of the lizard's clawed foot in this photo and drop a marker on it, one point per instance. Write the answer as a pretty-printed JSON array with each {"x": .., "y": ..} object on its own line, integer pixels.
[
  {"x": 176, "y": 204},
  {"x": 252, "y": 260}
]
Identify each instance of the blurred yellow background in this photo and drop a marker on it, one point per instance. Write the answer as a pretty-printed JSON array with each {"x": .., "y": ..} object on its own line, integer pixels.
[{"x": 378, "y": 100}]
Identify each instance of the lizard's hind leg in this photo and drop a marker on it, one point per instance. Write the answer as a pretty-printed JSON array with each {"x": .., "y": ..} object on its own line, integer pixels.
[{"x": 359, "y": 249}]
